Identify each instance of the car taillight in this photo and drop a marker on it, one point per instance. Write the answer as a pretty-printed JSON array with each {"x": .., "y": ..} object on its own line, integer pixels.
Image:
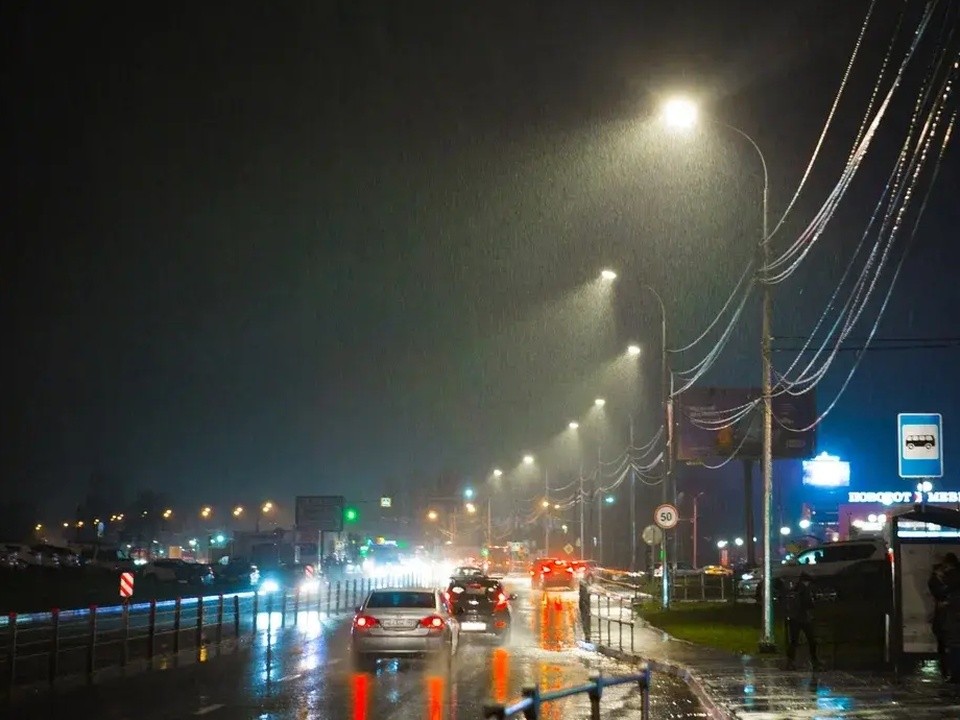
[
  {"x": 570, "y": 570},
  {"x": 432, "y": 622},
  {"x": 365, "y": 622},
  {"x": 501, "y": 602},
  {"x": 546, "y": 569}
]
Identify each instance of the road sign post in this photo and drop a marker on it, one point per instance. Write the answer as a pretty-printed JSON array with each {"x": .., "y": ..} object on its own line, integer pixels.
[
  {"x": 666, "y": 517},
  {"x": 920, "y": 445}
]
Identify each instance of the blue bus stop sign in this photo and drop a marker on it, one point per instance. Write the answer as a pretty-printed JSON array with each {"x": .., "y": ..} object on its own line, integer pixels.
[{"x": 920, "y": 440}]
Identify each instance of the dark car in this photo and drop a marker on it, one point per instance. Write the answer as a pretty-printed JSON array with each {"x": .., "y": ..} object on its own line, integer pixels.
[
  {"x": 481, "y": 605},
  {"x": 237, "y": 573}
]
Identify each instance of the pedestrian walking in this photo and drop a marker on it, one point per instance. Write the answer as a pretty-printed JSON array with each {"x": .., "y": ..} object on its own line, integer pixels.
[
  {"x": 938, "y": 591},
  {"x": 800, "y": 618},
  {"x": 585, "y": 610}
]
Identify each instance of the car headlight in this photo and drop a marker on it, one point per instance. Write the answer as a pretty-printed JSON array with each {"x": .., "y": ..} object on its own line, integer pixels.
[{"x": 269, "y": 586}]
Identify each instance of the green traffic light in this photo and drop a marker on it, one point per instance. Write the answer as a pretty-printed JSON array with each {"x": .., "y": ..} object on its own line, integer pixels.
[{"x": 350, "y": 514}]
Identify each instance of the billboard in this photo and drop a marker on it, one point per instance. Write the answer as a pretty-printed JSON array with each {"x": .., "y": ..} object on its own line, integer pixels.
[
  {"x": 698, "y": 440},
  {"x": 826, "y": 471},
  {"x": 319, "y": 513}
]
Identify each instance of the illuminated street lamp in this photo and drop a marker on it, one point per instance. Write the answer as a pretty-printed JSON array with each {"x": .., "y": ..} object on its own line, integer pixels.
[
  {"x": 608, "y": 274},
  {"x": 206, "y": 512},
  {"x": 680, "y": 113},
  {"x": 573, "y": 425},
  {"x": 804, "y": 524},
  {"x": 497, "y": 472},
  {"x": 609, "y": 499},
  {"x": 528, "y": 459},
  {"x": 721, "y": 544},
  {"x": 38, "y": 527},
  {"x": 633, "y": 350},
  {"x": 238, "y": 511},
  {"x": 470, "y": 508},
  {"x": 468, "y": 493},
  {"x": 545, "y": 503},
  {"x": 66, "y": 524},
  {"x": 267, "y": 506},
  {"x": 432, "y": 515},
  {"x": 738, "y": 542},
  {"x": 599, "y": 402},
  {"x": 784, "y": 530},
  {"x": 167, "y": 513}
]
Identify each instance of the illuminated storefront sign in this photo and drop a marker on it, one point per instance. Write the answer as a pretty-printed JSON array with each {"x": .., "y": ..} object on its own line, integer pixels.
[{"x": 903, "y": 497}]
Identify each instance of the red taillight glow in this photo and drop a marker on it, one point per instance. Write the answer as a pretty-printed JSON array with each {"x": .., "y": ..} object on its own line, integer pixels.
[
  {"x": 501, "y": 602},
  {"x": 432, "y": 622},
  {"x": 546, "y": 568},
  {"x": 365, "y": 622},
  {"x": 570, "y": 570}
]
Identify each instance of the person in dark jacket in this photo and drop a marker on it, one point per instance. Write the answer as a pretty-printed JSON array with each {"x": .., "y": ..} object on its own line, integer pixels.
[
  {"x": 799, "y": 612},
  {"x": 951, "y": 613},
  {"x": 938, "y": 591}
]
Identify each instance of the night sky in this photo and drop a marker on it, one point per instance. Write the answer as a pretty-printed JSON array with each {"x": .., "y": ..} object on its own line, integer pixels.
[{"x": 258, "y": 249}]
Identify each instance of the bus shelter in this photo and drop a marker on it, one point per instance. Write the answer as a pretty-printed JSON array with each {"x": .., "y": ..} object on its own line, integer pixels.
[{"x": 919, "y": 537}]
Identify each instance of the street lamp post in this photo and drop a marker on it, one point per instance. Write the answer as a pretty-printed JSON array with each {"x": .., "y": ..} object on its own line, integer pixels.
[
  {"x": 683, "y": 114},
  {"x": 666, "y": 391}
]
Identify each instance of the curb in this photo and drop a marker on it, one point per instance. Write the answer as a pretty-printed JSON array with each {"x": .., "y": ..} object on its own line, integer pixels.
[{"x": 696, "y": 685}]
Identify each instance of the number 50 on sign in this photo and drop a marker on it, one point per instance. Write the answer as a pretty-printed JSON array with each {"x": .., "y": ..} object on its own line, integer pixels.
[{"x": 666, "y": 517}]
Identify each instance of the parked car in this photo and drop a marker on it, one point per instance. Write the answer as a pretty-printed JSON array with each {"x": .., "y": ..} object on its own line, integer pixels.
[
  {"x": 168, "y": 570},
  {"x": 403, "y": 623},
  {"x": 109, "y": 558},
  {"x": 481, "y": 605},
  {"x": 55, "y": 556}
]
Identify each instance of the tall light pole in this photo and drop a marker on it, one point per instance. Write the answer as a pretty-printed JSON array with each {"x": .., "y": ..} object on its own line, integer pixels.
[{"x": 683, "y": 113}]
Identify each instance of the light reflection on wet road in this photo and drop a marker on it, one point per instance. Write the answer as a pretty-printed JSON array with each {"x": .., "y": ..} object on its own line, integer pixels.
[{"x": 304, "y": 671}]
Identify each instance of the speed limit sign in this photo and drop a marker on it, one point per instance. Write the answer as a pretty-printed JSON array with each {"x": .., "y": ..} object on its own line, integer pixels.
[{"x": 666, "y": 517}]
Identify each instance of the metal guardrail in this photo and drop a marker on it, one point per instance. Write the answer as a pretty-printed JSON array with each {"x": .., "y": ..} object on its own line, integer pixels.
[
  {"x": 533, "y": 700},
  {"x": 615, "y": 607},
  {"x": 46, "y": 647},
  {"x": 688, "y": 586}
]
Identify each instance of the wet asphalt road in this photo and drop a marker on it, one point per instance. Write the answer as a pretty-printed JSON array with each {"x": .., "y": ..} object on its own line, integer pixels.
[{"x": 304, "y": 671}]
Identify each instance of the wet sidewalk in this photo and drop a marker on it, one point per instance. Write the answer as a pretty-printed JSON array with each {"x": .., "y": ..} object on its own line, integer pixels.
[{"x": 758, "y": 688}]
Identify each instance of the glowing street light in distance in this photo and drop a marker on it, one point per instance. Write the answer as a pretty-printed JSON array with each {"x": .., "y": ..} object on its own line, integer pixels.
[
  {"x": 528, "y": 459},
  {"x": 432, "y": 515},
  {"x": 545, "y": 503},
  {"x": 608, "y": 274},
  {"x": 497, "y": 472},
  {"x": 468, "y": 493},
  {"x": 471, "y": 508},
  {"x": 237, "y": 511},
  {"x": 784, "y": 530},
  {"x": 680, "y": 113},
  {"x": 599, "y": 402},
  {"x": 738, "y": 542},
  {"x": 573, "y": 425},
  {"x": 633, "y": 350}
]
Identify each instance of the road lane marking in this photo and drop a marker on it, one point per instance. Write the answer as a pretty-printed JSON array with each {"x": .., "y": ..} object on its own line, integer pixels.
[
  {"x": 286, "y": 678},
  {"x": 209, "y": 709}
]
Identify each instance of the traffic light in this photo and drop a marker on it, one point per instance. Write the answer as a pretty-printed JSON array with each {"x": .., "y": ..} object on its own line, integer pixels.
[{"x": 350, "y": 514}]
